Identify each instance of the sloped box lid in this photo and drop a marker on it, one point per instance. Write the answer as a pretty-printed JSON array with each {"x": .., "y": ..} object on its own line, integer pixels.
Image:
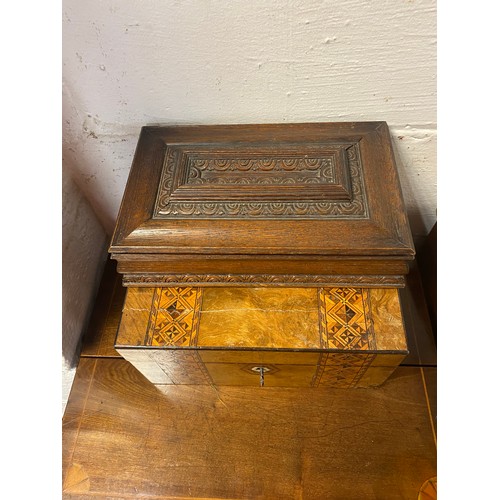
[{"x": 311, "y": 199}]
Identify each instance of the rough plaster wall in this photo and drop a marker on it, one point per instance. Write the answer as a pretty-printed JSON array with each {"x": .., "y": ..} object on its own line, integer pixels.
[
  {"x": 128, "y": 63},
  {"x": 84, "y": 253}
]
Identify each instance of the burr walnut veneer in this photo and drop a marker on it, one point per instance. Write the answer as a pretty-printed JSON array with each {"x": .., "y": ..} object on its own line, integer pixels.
[
  {"x": 288, "y": 337},
  {"x": 263, "y": 254}
]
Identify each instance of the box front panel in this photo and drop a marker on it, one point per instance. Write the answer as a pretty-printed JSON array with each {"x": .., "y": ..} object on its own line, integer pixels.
[{"x": 335, "y": 337}]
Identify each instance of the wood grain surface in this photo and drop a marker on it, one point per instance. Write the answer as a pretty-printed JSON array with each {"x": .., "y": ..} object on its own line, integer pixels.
[
  {"x": 99, "y": 339},
  {"x": 175, "y": 210},
  {"x": 161, "y": 325},
  {"x": 261, "y": 318},
  {"x": 123, "y": 438}
]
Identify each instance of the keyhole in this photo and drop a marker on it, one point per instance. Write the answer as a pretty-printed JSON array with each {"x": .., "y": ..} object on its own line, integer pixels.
[{"x": 261, "y": 370}]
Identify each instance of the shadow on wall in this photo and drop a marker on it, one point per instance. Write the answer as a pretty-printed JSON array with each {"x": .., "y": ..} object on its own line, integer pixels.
[
  {"x": 415, "y": 217},
  {"x": 84, "y": 254}
]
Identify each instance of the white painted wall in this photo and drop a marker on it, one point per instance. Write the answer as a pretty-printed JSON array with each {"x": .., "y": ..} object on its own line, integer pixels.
[
  {"x": 84, "y": 253},
  {"x": 128, "y": 63}
]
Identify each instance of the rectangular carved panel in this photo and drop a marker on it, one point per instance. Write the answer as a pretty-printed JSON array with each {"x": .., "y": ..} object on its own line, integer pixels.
[{"x": 263, "y": 181}]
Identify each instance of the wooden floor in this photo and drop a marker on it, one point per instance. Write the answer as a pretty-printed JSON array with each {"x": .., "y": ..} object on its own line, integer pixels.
[{"x": 122, "y": 438}]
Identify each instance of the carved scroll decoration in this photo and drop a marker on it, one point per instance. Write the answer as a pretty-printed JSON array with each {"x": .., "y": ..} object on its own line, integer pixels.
[
  {"x": 298, "y": 170},
  {"x": 377, "y": 281},
  {"x": 261, "y": 170}
]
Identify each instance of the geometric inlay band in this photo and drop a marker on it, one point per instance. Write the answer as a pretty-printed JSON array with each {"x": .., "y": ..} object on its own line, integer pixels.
[
  {"x": 345, "y": 319},
  {"x": 174, "y": 317},
  {"x": 341, "y": 370}
]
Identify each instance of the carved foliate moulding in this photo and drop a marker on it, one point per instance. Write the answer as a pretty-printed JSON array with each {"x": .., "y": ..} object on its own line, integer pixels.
[{"x": 285, "y": 280}]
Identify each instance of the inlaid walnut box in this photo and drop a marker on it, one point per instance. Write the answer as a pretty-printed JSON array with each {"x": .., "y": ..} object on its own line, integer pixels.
[
  {"x": 315, "y": 204},
  {"x": 275, "y": 336},
  {"x": 263, "y": 255}
]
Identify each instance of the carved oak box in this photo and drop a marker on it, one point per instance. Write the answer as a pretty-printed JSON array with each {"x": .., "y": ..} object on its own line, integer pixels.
[
  {"x": 263, "y": 255},
  {"x": 298, "y": 205}
]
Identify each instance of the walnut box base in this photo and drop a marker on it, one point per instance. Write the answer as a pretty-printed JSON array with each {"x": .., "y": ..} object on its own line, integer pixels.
[{"x": 286, "y": 337}]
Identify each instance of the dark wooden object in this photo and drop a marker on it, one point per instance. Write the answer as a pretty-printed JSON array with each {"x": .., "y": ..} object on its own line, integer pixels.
[
  {"x": 299, "y": 204},
  {"x": 427, "y": 262}
]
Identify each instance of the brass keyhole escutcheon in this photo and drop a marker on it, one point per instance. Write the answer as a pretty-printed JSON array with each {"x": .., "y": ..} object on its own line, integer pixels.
[{"x": 261, "y": 370}]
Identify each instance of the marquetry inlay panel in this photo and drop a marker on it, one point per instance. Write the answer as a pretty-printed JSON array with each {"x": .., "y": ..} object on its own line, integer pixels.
[
  {"x": 345, "y": 319},
  {"x": 341, "y": 370},
  {"x": 174, "y": 317}
]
